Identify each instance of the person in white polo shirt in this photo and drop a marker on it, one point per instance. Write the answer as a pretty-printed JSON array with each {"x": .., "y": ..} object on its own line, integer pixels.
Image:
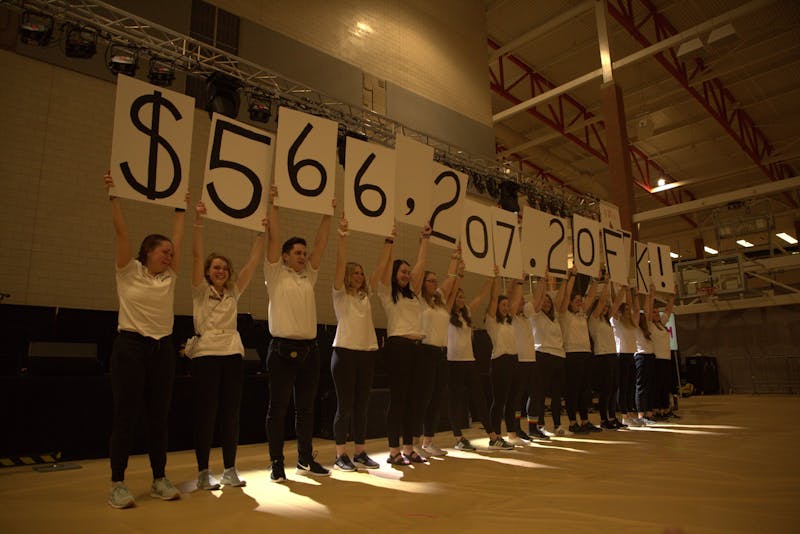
[
  {"x": 664, "y": 370},
  {"x": 354, "y": 349},
  {"x": 217, "y": 364},
  {"x": 293, "y": 358},
  {"x": 143, "y": 357}
]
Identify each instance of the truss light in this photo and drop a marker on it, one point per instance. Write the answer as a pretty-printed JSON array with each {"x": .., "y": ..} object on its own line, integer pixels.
[
  {"x": 710, "y": 250},
  {"x": 123, "y": 59},
  {"x": 744, "y": 243},
  {"x": 80, "y": 41},
  {"x": 35, "y": 28},
  {"x": 223, "y": 95},
  {"x": 674, "y": 255},
  {"x": 662, "y": 182},
  {"x": 162, "y": 72},
  {"x": 786, "y": 237},
  {"x": 260, "y": 107}
]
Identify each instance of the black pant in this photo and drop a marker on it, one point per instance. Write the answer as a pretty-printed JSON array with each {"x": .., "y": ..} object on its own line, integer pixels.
[
  {"x": 661, "y": 391},
  {"x": 433, "y": 388},
  {"x": 464, "y": 375},
  {"x": 606, "y": 382},
  {"x": 627, "y": 383},
  {"x": 217, "y": 384},
  {"x": 645, "y": 376},
  {"x": 578, "y": 392},
  {"x": 550, "y": 376},
  {"x": 522, "y": 393},
  {"x": 502, "y": 373},
  {"x": 300, "y": 376},
  {"x": 142, "y": 373},
  {"x": 352, "y": 372},
  {"x": 403, "y": 356}
]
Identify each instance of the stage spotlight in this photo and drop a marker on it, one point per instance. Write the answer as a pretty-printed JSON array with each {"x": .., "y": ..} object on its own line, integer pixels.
[
  {"x": 123, "y": 59},
  {"x": 492, "y": 188},
  {"x": 479, "y": 183},
  {"x": 35, "y": 28},
  {"x": 509, "y": 199},
  {"x": 162, "y": 72},
  {"x": 79, "y": 41},
  {"x": 223, "y": 95},
  {"x": 260, "y": 107}
]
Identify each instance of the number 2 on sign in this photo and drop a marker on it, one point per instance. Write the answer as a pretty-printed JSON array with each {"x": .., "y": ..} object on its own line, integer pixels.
[{"x": 446, "y": 205}]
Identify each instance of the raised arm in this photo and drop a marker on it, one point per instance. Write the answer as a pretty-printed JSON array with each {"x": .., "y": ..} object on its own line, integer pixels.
[
  {"x": 514, "y": 294},
  {"x": 619, "y": 298},
  {"x": 447, "y": 286},
  {"x": 491, "y": 310},
  {"x": 480, "y": 297},
  {"x": 198, "y": 276},
  {"x": 321, "y": 239},
  {"x": 538, "y": 294},
  {"x": 562, "y": 299},
  {"x": 341, "y": 255},
  {"x": 418, "y": 271},
  {"x": 178, "y": 223},
  {"x": 274, "y": 238},
  {"x": 669, "y": 306},
  {"x": 591, "y": 294},
  {"x": 451, "y": 297},
  {"x": 246, "y": 273},
  {"x": 383, "y": 269},
  {"x": 123, "y": 240},
  {"x": 602, "y": 298},
  {"x": 648, "y": 303}
]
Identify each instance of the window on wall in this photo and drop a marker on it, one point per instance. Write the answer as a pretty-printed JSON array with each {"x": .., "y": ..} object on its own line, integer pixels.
[{"x": 215, "y": 27}]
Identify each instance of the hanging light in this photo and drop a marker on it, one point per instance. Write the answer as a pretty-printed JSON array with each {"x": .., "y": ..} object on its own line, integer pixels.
[
  {"x": 35, "y": 28},
  {"x": 161, "y": 72},
  {"x": 79, "y": 41},
  {"x": 122, "y": 59},
  {"x": 259, "y": 106},
  {"x": 223, "y": 95}
]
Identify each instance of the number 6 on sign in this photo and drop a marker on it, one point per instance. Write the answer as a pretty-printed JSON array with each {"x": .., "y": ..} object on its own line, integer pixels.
[
  {"x": 305, "y": 161},
  {"x": 369, "y": 176}
]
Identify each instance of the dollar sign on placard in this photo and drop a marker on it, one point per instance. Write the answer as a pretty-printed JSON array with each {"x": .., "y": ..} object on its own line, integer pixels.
[{"x": 150, "y": 190}]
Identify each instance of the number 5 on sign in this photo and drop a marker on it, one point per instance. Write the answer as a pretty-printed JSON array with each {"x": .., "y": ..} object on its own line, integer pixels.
[
  {"x": 507, "y": 250},
  {"x": 476, "y": 238},
  {"x": 369, "y": 176},
  {"x": 305, "y": 161}
]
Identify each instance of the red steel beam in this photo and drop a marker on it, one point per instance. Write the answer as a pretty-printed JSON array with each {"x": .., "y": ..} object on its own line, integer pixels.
[{"x": 715, "y": 98}]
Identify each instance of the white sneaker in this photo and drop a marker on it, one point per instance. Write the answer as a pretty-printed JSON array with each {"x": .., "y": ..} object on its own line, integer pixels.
[
  {"x": 120, "y": 496},
  {"x": 419, "y": 449},
  {"x": 634, "y": 422},
  {"x": 433, "y": 450},
  {"x": 230, "y": 477},
  {"x": 516, "y": 440},
  {"x": 163, "y": 489},
  {"x": 562, "y": 431},
  {"x": 648, "y": 422},
  {"x": 206, "y": 481}
]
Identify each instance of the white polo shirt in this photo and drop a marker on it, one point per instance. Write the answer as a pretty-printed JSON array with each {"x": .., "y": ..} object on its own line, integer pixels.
[
  {"x": 523, "y": 335},
  {"x": 434, "y": 323},
  {"x": 404, "y": 317},
  {"x": 547, "y": 334},
  {"x": 459, "y": 343},
  {"x": 215, "y": 321},
  {"x": 576, "y": 331},
  {"x": 502, "y": 335},
  {"x": 644, "y": 345},
  {"x": 660, "y": 342},
  {"x": 602, "y": 336},
  {"x": 292, "y": 309},
  {"x": 624, "y": 336},
  {"x": 146, "y": 302},
  {"x": 355, "y": 329}
]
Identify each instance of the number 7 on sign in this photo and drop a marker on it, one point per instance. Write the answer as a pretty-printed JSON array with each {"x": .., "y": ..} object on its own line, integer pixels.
[{"x": 507, "y": 247}]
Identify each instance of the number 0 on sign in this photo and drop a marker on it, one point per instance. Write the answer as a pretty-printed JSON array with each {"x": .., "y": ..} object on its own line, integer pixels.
[{"x": 305, "y": 161}]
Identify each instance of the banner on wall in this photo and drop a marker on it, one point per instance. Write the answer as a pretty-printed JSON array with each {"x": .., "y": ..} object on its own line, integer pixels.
[
  {"x": 152, "y": 143},
  {"x": 414, "y": 169},
  {"x": 305, "y": 161},
  {"x": 238, "y": 173},
  {"x": 369, "y": 187}
]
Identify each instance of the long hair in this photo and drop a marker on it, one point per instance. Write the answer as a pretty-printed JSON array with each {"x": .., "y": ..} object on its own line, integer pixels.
[
  {"x": 349, "y": 268},
  {"x": 594, "y": 306},
  {"x": 457, "y": 316},
  {"x": 149, "y": 244},
  {"x": 643, "y": 325},
  {"x": 207, "y": 265},
  {"x": 551, "y": 313},
  {"x": 500, "y": 318},
  {"x": 625, "y": 315},
  {"x": 433, "y": 299},
  {"x": 396, "y": 289}
]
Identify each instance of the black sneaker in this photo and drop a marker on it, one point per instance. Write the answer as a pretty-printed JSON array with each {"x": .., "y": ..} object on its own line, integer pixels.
[
  {"x": 309, "y": 466},
  {"x": 589, "y": 427},
  {"x": 608, "y": 425},
  {"x": 619, "y": 424},
  {"x": 575, "y": 428},
  {"x": 366, "y": 461},
  {"x": 277, "y": 474},
  {"x": 343, "y": 463},
  {"x": 537, "y": 434},
  {"x": 522, "y": 435}
]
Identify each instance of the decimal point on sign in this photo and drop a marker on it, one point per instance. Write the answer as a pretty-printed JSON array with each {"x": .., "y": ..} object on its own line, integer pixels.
[
  {"x": 663, "y": 284},
  {"x": 409, "y": 205},
  {"x": 533, "y": 262}
]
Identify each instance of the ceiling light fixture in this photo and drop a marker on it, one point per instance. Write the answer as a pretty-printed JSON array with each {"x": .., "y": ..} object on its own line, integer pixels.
[
  {"x": 744, "y": 243},
  {"x": 786, "y": 237},
  {"x": 710, "y": 250}
]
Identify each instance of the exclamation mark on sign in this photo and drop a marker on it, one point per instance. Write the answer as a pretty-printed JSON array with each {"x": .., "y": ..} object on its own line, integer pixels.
[{"x": 661, "y": 268}]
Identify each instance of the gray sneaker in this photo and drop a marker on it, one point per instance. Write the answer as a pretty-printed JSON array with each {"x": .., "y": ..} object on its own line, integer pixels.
[
  {"x": 464, "y": 445},
  {"x": 500, "y": 444},
  {"x": 120, "y": 496},
  {"x": 163, "y": 489},
  {"x": 206, "y": 481},
  {"x": 230, "y": 477}
]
